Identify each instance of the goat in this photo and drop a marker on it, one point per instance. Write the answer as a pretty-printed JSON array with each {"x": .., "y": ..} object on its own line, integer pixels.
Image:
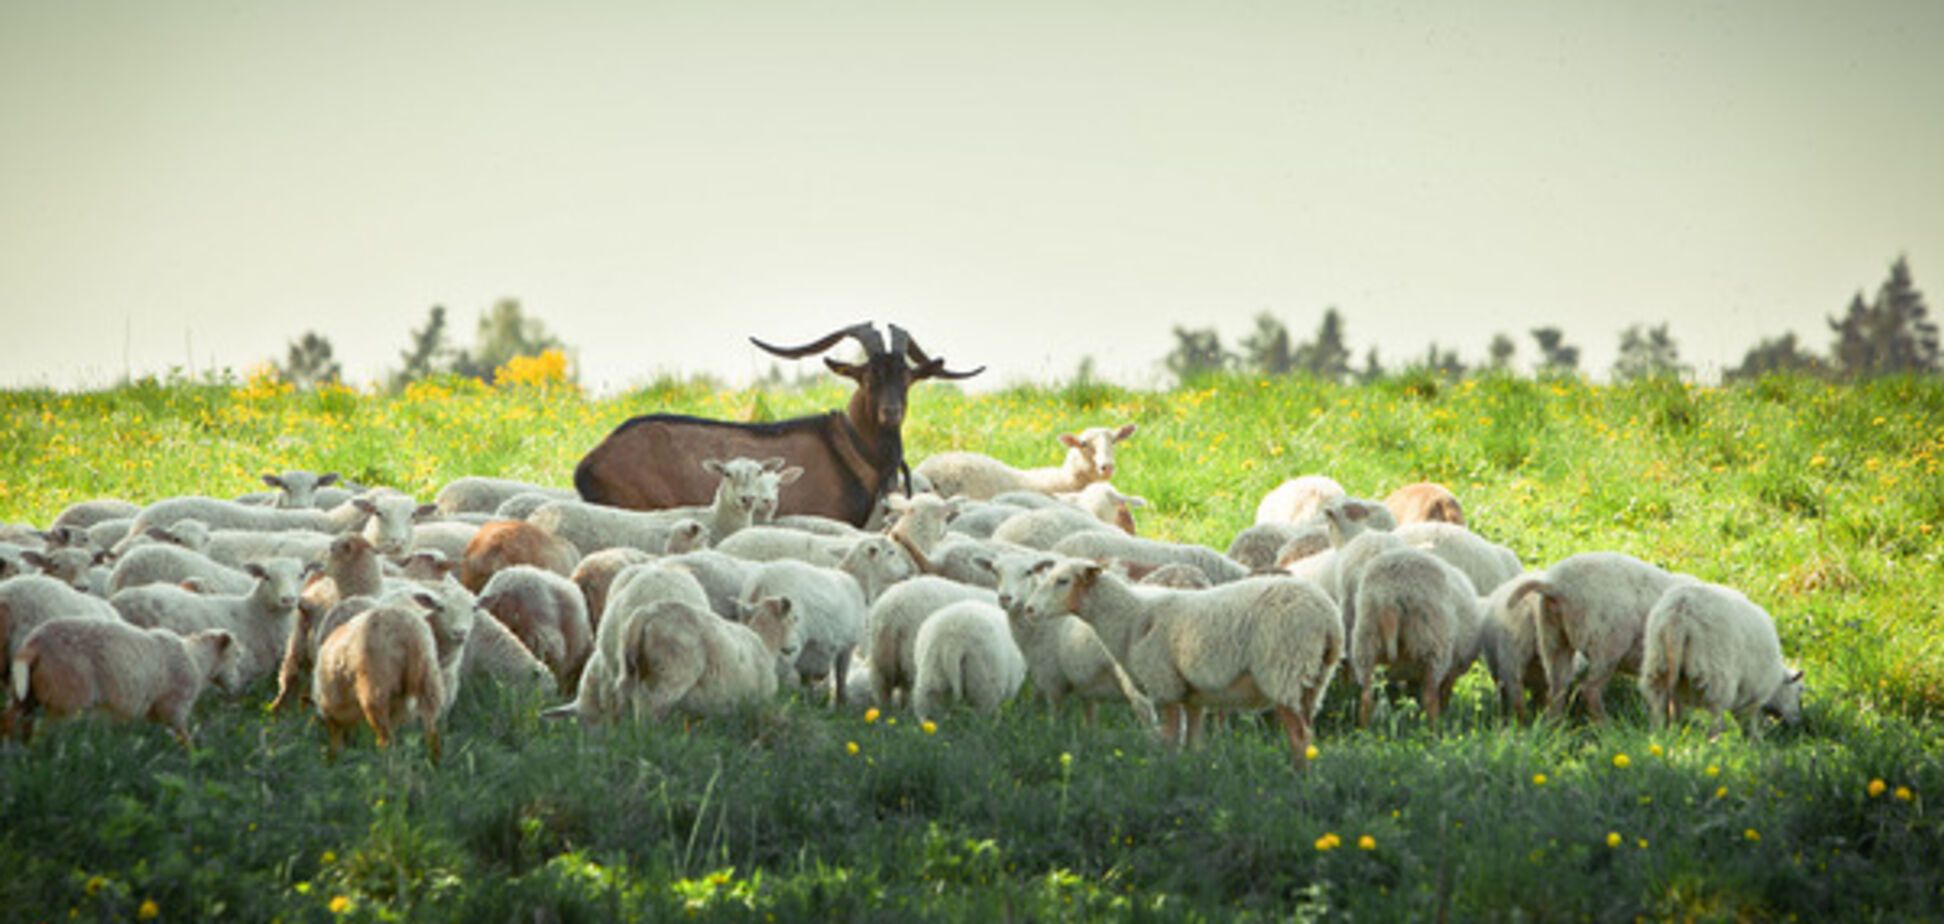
[{"x": 850, "y": 458}]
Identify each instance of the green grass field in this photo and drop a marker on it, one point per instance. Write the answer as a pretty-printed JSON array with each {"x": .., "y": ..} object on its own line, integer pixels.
[{"x": 1822, "y": 502}]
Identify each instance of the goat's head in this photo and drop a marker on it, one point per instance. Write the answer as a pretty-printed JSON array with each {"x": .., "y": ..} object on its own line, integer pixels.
[{"x": 884, "y": 376}]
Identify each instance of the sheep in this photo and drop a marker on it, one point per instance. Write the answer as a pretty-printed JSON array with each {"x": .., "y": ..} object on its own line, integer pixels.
[
  {"x": 297, "y": 490},
  {"x": 891, "y": 630},
  {"x": 1486, "y": 563},
  {"x": 70, "y": 566},
  {"x": 390, "y": 518},
  {"x": 261, "y": 620},
  {"x": 1178, "y": 575},
  {"x": 547, "y": 613},
  {"x": 448, "y": 537},
  {"x": 108, "y": 534},
  {"x": 1419, "y": 616},
  {"x": 29, "y": 600},
  {"x": 977, "y": 519},
  {"x": 422, "y": 565},
  {"x": 597, "y": 571},
  {"x": 503, "y": 544},
  {"x": 679, "y": 657},
  {"x": 970, "y": 561},
  {"x": 747, "y": 488},
  {"x": 919, "y": 524},
  {"x": 1259, "y": 547},
  {"x": 1296, "y": 499},
  {"x": 474, "y": 494},
  {"x": 1710, "y": 643},
  {"x": 521, "y": 506},
  {"x": 190, "y": 534},
  {"x": 388, "y": 661},
  {"x": 1593, "y": 605},
  {"x": 220, "y": 514},
  {"x": 1264, "y": 642},
  {"x": 592, "y": 528},
  {"x": 239, "y": 547},
  {"x": 90, "y": 513},
  {"x": 966, "y": 652},
  {"x": 1112, "y": 545},
  {"x": 775, "y": 543},
  {"x": 1508, "y": 642},
  {"x": 1090, "y": 458},
  {"x": 815, "y": 525},
  {"x": 352, "y": 570},
  {"x": 830, "y": 607},
  {"x": 1425, "y": 502},
  {"x": 601, "y": 693},
  {"x": 169, "y": 564},
  {"x": 68, "y": 666},
  {"x": 1105, "y": 503},
  {"x": 1064, "y": 655},
  {"x": 1043, "y": 528}
]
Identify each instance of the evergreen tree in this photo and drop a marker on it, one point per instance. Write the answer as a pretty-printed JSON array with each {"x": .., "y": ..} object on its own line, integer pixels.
[
  {"x": 308, "y": 362},
  {"x": 1891, "y": 335},
  {"x": 1555, "y": 357},
  {"x": 1443, "y": 362},
  {"x": 1197, "y": 353},
  {"x": 1781, "y": 354},
  {"x": 1267, "y": 350},
  {"x": 1325, "y": 357},
  {"x": 504, "y": 332},
  {"x": 1500, "y": 352},
  {"x": 1372, "y": 370},
  {"x": 428, "y": 353},
  {"x": 1646, "y": 353}
]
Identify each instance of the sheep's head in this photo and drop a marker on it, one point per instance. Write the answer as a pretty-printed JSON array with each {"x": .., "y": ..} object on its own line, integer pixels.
[
  {"x": 920, "y": 521},
  {"x": 280, "y": 581},
  {"x": 451, "y": 611},
  {"x": 297, "y": 490},
  {"x": 1786, "y": 703},
  {"x": 687, "y": 535},
  {"x": 1090, "y": 453},
  {"x": 749, "y": 486},
  {"x": 389, "y": 520},
  {"x": 226, "y": 659},
  {"x": 1017, "y": 575},
  {"x": 775, "y": 622},
  {"x": 877, "y": 562},
  {"x": 1061, "y": 589}
]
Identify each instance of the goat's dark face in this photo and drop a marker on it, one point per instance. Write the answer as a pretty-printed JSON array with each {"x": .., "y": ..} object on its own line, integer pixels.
[
  {"x": 882, "y": 381},
  {"x": 883, "y": 377}
]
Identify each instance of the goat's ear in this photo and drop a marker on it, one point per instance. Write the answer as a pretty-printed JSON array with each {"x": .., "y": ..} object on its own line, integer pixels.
[
  {"x": 774, "y": 464},
  {"x": 712, "y": 466},
  {"x": 273, "y": 481},
  {"x": 789, "y": 475},
  {"x": 1070, "y": 441},
  {"x": 327, "y": 479},
  {"x": 1124, "y": 432},
  {"x": 845, "y": 369}
]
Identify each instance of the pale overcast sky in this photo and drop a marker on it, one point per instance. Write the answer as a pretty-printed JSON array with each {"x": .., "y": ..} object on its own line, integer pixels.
[{"x": 1019, "y": 184}]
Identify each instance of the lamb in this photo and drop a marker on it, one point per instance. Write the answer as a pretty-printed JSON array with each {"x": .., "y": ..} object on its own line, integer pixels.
[
  {"x": 1044, "y": 528},
  {"x": 748, "y": 489},
  {"x": 522, "y": 506},
  {"x": 1709, "y": 643},
  {"x": 29, "y": 600},
  {"x": 776, "y": 543},
  {"x": 919, "y": 524},
  {"x": 1259, "y": 547},
  {"x": 591, "y": 527},
  {"x": 1105, "y": 503},
  {"x": 90, "y": 513},
  {"x": 298, "y": 490},
  {"x": 679, "y": 657},
  {"x": 390, "y": 518},
  {"x": 1106, "y": 546},
  {"x": 1297, "y": 499},
  {"x": 1486, "y": 563},
  {"x": 891, "y": 630},
  {"x": 977, "y": 519},
  {"x": 170, "y": 564},
  {"x": 239, "y": 547},
  {"x": 1508, "y": 641},
  {"x": 830, "y": 607},
  {"x": 473, "y": 494},
  {"x": 1418, "y": 616},
  {"x": 505, "y": 543},
  {"x": 423, "y": 565},
  {"x": 388, "y": 661},
  {"x": 1178, "y": 576},
  {"x": 220, "y": 514},
  {"x": 261, "y": 620},
  {"x": 448, "y": 537},
  {"x": 108, "y": 534},
  {"x": 635, "y": 591},
  {"x": 965, "y": 652},
  {"x": 189, "y": 534},
  {"x": 1265, "y": 642},
  {"x": 68, "y": 666},
  {"x": 1090, "y": 458},
  {"x": 547, "y": 613},
  {"x": 1594, "y": 605},
  {"x": 1425, "y": 502},
  {"x": 352, "y": 570},
  {"x": 597, "y": 572},
  {"x": 1064, "y": 656}
]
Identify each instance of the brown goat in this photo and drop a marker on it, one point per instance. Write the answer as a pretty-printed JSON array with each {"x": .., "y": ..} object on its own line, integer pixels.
[
  {"x": 850, "y": 458},
  {"x": 1425, "y": 502},
  {"x": 502, "y": 544}
]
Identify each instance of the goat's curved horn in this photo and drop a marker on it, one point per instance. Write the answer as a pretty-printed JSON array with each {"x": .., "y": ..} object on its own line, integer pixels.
[
  {"x": 927, "y": 367},
  {"x": 862, "y": 332}
]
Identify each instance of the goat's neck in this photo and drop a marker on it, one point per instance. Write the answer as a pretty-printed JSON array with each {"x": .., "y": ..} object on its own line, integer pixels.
[{"x": 883, "y": 446}]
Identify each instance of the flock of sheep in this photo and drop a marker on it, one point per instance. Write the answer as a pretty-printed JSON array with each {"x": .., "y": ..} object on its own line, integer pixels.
[{"x": 375, "y": 607}]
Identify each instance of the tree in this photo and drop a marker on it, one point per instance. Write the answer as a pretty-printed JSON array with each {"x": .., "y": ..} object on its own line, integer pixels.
[
  {"x": 504, "y": 332},
  {"x": 1267, "y": 350},
  {"x": 1372, "y": 370},
  {"x": 1891, "y": 335},
  {"x": 308, "y": 362},
  {"x": 1325, "y": 357},
  {"x": 1500, "y": 353},
  {"x": 428, "y": 354},
  {"x": 1555, "y": 357},
  {"x": 1443, "y": 362},
  {"x": 1647, "y": 353},
  {"x": 1780, "y": 354},
  {"x": 1197, "y": 353}
]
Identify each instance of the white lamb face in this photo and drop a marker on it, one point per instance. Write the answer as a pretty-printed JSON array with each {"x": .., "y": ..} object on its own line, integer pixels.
[
  {"x": 1018, "y": 575},
  {"x": 1094, "y": 447},
  {"x": 388, "y": 526},
  {"x": 451, "y": 611},
  {"x": 297, "y": 490},
  {"x": 877, "y": 561},
  {"x": 1057, "y": 591},
  {"x": 279, "y": 581},
  {"x": 1787, "y": 701}
]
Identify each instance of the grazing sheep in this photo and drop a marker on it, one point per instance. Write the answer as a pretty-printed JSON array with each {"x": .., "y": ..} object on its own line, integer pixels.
[
  {"x": 109, "y": 534},
  {"x": 447, "y": 537},
  {"x": 679, "y": 657},
  {"x": 1043, "y": 528},
  {"x": 1259, "y": 547},
  {"x": 388, "y": 662},
  {"x": 547, "y": 613},
  {"x": 592, "y": 528},
  {"x": 891, "y": 630},
  {"x": 1486, "y": 563},
  {"x": 474, "y": 494},
  {"x": 506, "y": 543},
  {"x": 1425, "y": 502},
  {"x": 1418, "y": 616},
  {"x": 602, "y": 692},
  {"x": 261, "y": 620},
  {"x": 1708, "y": 643},
  {"x": 1105, "y": 503},
  {"x": 1090, "y": 458},
  {"x": 67, "y": 666},
  {"x": 1593, "y": 605},
  {"x": 830, "y": 608},
  {"x": 597, "y": 572},
  {"x": 722, "y": 578},
  {"x": 1508, "y": 642},
  {"x": 1064, "y": 656},
  {"x": 169, "y": 564},
  {"x": 965, "y": 652},
  {"x": 32, "y": 599},
  {"x": 1104, "y": 546},
  {"x": 1297, "y": 499},
  {"x": 1265, "y": 642}
]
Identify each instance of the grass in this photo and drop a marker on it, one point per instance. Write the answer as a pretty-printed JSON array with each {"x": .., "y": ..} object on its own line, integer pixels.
[{"x": 1820, "y": 501}]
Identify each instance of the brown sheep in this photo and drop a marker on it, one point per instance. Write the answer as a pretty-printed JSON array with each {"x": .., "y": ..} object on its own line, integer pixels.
[
  {"x": 505, "y": 543},
  {"x": 1425, "y": 502},
  {"x": 597, "y": 572},
  {"x": 72, "y": 665},
  {"x": 547, "y": 613},
  {"x": 387, "y": 661}
]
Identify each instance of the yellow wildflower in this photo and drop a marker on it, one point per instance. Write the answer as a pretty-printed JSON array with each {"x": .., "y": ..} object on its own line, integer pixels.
[
  {"x": 1538, "y": 779},
  {"x": 1904, "y": 794},
  {"x": 148, "y": 911},
  {"x": 870, "y": 715},
  {"x": 850, "y": 747},
  {"x": 1622, "y": 761},
  {"x": 94, "y": 884},
  {"x": 1613, "y": 838},
  {"x": 1655, "y": 750},
  {"x": 930, "y": 727},
  {"x": 1712, "y": 771},
  {"x": 1876, "y": 788},
  {"x": 1366, "y": 843},
  {"x": 1310, "y": 753},
  {"x": 1328, "y": 842},
  {"x": 340, "y": 904},
  {"x": 1752, "y": 835}
]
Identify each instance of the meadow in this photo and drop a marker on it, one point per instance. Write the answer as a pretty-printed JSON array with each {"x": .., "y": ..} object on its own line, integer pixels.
[{"x": 1821, "y": 501}]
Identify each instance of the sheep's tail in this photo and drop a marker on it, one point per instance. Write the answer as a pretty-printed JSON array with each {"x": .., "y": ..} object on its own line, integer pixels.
[
  {"x": 1524, "y": 586},
  {"x": 1387, "y": 617},
  {"x": 565, "y": 711},
  {"x": 1673, "y": 641},
  {"x": 22, "y": 671}
]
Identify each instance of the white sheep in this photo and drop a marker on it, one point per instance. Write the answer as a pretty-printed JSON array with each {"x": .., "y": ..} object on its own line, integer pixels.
[
  {"x": 592, "y": 527},
  {"x": 389, "y": 661},
  {"x": 679, "y": 657},
  {"x": 295, "y": 490},
  {"x": 1265, "y": 642},
  {"x": 239, "y": 547},
  {"x": 1105, "y": 503},
  {"x": 1418, "y": 616},
  {"x": 1508, "y": 642},
  {"x": 522, "y": 506},
  {"x": 1297, "y": 499},
  {"x": 70, "y": 566},
  {"x": 965, "y": 652},
  {"x": 1259, "y": 547},
  {"x": 1043, "y": 528},
  {"x": 891, "y": 630},
  {"x": 90, "y": 513},
  {"x": 261, "y": 620},
  {"x": 1594, "y": 605},
  {"x": 475, "y": 494},
  {"x": 169, "y": 564},
  {"x": 749, "y": 489},
  {"x": 1089, "y": 458},
  {"x": 1110, "y": 545},
  {"x": 602, "y": 694},
  {"x": 547, "y": 613},
  {"x": 1709, "y": 644},
  {"x": 109, "y": 534},
  {"x": 29, "y": 600},
  {"x": 1064, "y": 655},
  {"x": 220, "y": 514},
  {"x": 830, "y": 608},
  {"x": 776, "y": 543},
  {"x": 1486, "y": 563},
  {"x": 67, "y": 666}
]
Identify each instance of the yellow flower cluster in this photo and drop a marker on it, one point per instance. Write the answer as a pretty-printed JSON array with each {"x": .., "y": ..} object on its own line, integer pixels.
[{"x": 549, "y": 369}]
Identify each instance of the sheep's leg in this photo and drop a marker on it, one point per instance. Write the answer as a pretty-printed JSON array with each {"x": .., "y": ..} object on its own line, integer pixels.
[
  {"x": 1171, "y": 724},
  {"x": 1296, "y": 725},
  {"x": 1366, "y": 701},
  {"x": 1090, "y": 711},
  {"x": 837, "y": 679},
  {"x": 336, "y": 731},
  {"x": 1195, "y": 716},
  {"x": 1593, "y": 687},
  {"x": 1429, "y": 699}
]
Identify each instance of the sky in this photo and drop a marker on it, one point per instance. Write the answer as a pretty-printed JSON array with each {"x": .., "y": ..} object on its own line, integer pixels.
[{"x": 191, "y": 185}]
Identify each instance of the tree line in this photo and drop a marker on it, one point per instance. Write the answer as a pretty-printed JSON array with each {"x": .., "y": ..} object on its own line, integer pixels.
[
  {"x": 504, "y": 331},
  {"x": 1891, "y": 334}
]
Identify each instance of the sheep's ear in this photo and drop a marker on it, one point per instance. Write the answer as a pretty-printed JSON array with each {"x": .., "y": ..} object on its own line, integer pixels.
[
  {"x": 364, "y": 504},
  {"x": 1124, "y": 432},
  {"x": 1070, "y": 441},
  {"x": 1794, "y": 677},
  {"x": 327, "y": 479},
  {"x": 312, "y": 567},
  {"x": 223, "y": 641},
  {"x": 426, "y": 599},
  {"x": 774, "y": 464},
  {"x": 425, "y": 512},
  {"x": 1090, "y": 572},
  {"x": 275, "y": 482},
  {"x": 162, "y": 534},
  {"x": 255, "y": 570},
  {"x": 104, "y": 556},
  {"x": 36, "y": 559},
  {"x": 789, "y": 475},
  {"x": 1354, "y": 512},
  {"x": 1132, "y": 500},
  {"x": 1042, "y": 566},
  {"x": 986, "y": 564},
  {"x": 712, "y": 466}
]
